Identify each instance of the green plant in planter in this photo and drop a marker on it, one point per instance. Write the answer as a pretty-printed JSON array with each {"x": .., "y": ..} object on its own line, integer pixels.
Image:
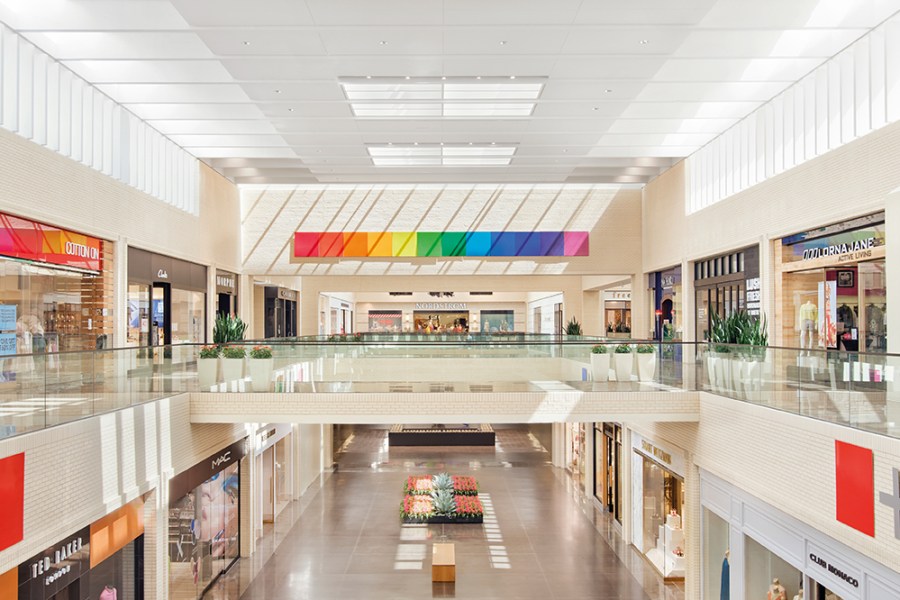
[
  {"x": 738, "y": 328},
  {"x": 645, "y": 349},
  {"x": 573, "y": 327},
  {"x": 227, "y": 329},
  {"x": 261, "y": 352},
  {"x": 442, "y": 481},
  {"x": 234, "y": 352},
  {"x": 623, "y": 349},
  {"x": 599, "y": 349},
  {"x": 444, "y": 502},
  {"x": 210, "y": 351}
]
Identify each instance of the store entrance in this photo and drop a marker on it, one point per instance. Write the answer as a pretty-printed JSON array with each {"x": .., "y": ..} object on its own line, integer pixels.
[
  {"x": 820, "y": 592},
  {"x": 224, "y": 305},
  {"x": 161, "y": 308}
]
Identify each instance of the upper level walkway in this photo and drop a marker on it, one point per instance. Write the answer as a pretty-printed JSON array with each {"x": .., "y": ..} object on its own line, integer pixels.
[{"x": 420, "y": 379}]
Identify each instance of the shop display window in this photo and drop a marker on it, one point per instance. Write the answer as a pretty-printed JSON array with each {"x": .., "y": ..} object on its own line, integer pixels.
[
  {"x": 767, "y": 575},
  {"x": 716, "y": 557},
  {"x": 203, "y": 533},
  {"x": 441, "y": 322},
  {"x": 53, "y": 310},
  {"x": 618, "y": 318},
  {"x": 385, "y": 321},
  {"x": 188, "y": 309},
  {"x": 663, "y": 534},
  {"x": 119, "y": 577},
  {"x": 497, "y": 321}
]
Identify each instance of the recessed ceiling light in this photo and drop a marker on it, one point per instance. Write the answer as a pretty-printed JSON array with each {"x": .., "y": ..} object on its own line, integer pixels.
[
  {"x": 407, "y": 76},
  {"x": 277, "y": 91},
  {"x": 512, "y": 76},
  {"x": 444, "y": 77},
  {"x": 442, "y": 143},
  {"x": 596, "y": 108},
  {"x": 478, "y": 77},
  {"x": 368, "y": 77},
  {"x": 415, "y": 143},
  {"x": 382, "y": 43},
  {"x": 246, "y": 43},
  {"x": 608, "y": 91},
  {"x": 502, "y": 42},
  {"x": 565, "y": 150},
  {"x": 470, "y": 143},
  {"x": 290, "y": 110},
  {"x": 493, "y": 143},
  {"x": 390, "y": 143},
  {"x": 644, "y": 42}
]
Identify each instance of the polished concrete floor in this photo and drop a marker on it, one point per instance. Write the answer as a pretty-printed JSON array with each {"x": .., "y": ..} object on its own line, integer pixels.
[{"x": 541, "y": 538}]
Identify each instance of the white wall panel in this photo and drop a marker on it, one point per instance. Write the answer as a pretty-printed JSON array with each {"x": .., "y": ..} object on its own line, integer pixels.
[
  {"x": 854, "y": 93},
  {"x": 46, "y": 103}
]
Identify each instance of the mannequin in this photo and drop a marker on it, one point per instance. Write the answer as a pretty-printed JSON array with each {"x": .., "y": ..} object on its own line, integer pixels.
[
  {"x": 725, "y": 593},
  {"x": 799, "y": 595},
  {"x": 809, "y": 317},
  {"x": 108, "y": 593},
  {"x": 776, "y": 591}
]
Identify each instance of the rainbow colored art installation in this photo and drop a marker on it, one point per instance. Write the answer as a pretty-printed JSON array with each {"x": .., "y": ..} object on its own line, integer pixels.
[{"x": 444, "y": 244}]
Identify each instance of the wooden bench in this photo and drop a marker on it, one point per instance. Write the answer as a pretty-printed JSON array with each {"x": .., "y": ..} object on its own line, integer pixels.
[{"x": 443, "y": 562}]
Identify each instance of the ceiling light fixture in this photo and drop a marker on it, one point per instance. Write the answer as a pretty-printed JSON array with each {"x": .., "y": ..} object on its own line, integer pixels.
[
  {"x": 368, "y": 77},
  {"x": 444, "y": 77},
  {"x": 246, "y": 43},
  {"x": 277, "y": 91},
  {"x": 478, "y": 77},
  {"x": 512, "y": 76},
  {"x": 644, "y": 42},
  {"x": 596, "y": 108},
  {"x": 407, "y": 77},
  {"x": 290, "y": 110},
  {"x": 608, "y": 91},
  {"x": 382, "y": 43},
  {"x": 502, "y": 42}
]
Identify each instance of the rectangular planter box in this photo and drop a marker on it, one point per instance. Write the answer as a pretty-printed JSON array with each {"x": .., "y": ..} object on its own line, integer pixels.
[{"x": 445, "y": 520}]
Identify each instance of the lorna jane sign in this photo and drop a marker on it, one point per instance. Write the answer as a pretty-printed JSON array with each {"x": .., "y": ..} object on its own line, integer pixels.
[{"x": 29, "y": 240}]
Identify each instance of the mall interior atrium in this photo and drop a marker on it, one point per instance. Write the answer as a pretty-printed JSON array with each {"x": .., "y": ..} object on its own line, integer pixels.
[{"x": 405, "y": 299}]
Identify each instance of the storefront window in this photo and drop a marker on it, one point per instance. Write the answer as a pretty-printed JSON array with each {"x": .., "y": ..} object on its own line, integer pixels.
[
  {"x": 138, "y": 315},
  {"x": 55, "y": 309},
  {"x": 203, "y": 533},
  {"x": 663, "y": 536},
  {"x": 665, "y": 307},
  {"x": 497, "y": 321},
  {"x": 385, "y": 321},
  {"x": 188, "y": 309},
  {"x": 767, "y": 575},
  {"x": 441, "y": 322},
  {"x": 716, "y": 557},
  {"x": 114, "y": 578}
]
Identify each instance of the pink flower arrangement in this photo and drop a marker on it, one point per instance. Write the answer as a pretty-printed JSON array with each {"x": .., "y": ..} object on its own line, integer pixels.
[
  {"x": 465, "y": 486},
  {"x": 418, "y": 484},
  {"x": 469, "y": 506},
  {"x": 417, "y": 507}
]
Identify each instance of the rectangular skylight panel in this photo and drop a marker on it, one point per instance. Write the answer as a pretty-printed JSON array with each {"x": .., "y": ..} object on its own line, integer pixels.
[
  {"x": 475, "y": 161},
  {"x": 392, "y": 91},
  {"x": 479, "y": 150},
  {"x": 492, "y": 91},
  {"x": 361, "y": 109},
  {"x": 404, "y": 150},
  {"x": 381, "y": 161},
  {"x": 505, "y": 109}
]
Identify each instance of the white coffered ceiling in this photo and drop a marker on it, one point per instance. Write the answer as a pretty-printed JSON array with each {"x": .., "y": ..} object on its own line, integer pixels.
[{"x": 259, "y": 90}]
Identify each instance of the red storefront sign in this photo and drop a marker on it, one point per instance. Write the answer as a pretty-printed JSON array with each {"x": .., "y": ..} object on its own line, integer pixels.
[
  {"x": 28, "y": 240},
  {"x": 12, "y": 499}
]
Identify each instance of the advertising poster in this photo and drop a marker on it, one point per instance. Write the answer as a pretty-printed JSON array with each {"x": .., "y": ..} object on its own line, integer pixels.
[{"x": 828, "y": 314}]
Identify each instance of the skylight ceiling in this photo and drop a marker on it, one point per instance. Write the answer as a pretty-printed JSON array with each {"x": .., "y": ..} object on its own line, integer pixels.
[
  {"x": 481, "y": 155},
  {"x": 473, "y": 99},
  {"x": 281, "y": 91}
]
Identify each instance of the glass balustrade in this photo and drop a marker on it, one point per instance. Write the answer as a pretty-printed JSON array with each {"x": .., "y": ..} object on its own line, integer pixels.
[{"x": 852, "y": 389}]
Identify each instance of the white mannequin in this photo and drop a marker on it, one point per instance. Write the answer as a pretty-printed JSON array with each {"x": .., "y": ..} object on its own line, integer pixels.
[
  {"x": 776, "y": 591},
  {"x": 809, "y": 314},
  {"x": 799, "y": 595}
]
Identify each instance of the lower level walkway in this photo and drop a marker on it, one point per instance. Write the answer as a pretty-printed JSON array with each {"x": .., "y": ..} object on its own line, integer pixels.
[{"x": 542, "y": 539}]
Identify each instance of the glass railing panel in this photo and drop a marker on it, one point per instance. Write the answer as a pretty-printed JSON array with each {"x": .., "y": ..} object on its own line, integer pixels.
[{"x": 23, "y": 405}]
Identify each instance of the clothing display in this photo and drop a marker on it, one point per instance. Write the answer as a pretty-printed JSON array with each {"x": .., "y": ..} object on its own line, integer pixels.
[
  {"x": 725, "y": 594},
  {"x": 108, "y": 593},
  {"x": 809, "y": 312},
  {"x": 846, "y": 315},
  {"x": 799, "y": 595},
  {"x": 776, "y": 591}
]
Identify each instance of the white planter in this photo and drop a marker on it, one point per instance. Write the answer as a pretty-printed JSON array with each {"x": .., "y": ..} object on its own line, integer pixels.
[
  {"x": 624, "y": 363},
  {"x": 232, "y": 369},
  {"x": 646, "y": 366},
  {"x": 261, "y": 373},
  {"x": 712, "y": 366},
  {"x": 600, "y": 367},
  {"x": 207, "y": 372}
]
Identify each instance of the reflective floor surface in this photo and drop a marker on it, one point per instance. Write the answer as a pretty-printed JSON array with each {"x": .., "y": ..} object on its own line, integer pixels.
[{"x": 541, "y": 537}]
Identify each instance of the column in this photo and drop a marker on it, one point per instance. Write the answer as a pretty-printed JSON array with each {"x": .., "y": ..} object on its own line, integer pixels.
[
  {"x": 625, "y": 468},
  {"x": 248, "y": 509},
  {"x": 120, "y": 295},
  {"x": 589, "y": 460},
  {"x": 573, "y": 306},
  {"x": 641, "y": 327},
  {"x": 327, "y": 448},
  {"x": 892, "y": 264},
  {"x": 156, "y": 544},
  {"x": 593, "y": 314},
  {"x": 558, "y": 452},
  {"x": 691, "y": 523}
]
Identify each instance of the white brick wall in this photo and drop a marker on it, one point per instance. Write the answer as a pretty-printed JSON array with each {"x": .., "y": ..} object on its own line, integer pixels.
[{"x": 81, "y": 471}]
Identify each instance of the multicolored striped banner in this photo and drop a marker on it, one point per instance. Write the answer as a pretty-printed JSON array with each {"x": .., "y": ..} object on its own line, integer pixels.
[{"x": 444, "y": 244}]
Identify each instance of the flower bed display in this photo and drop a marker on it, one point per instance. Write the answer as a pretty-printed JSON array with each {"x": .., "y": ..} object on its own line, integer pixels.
[{"x": 441, "y": 499}]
